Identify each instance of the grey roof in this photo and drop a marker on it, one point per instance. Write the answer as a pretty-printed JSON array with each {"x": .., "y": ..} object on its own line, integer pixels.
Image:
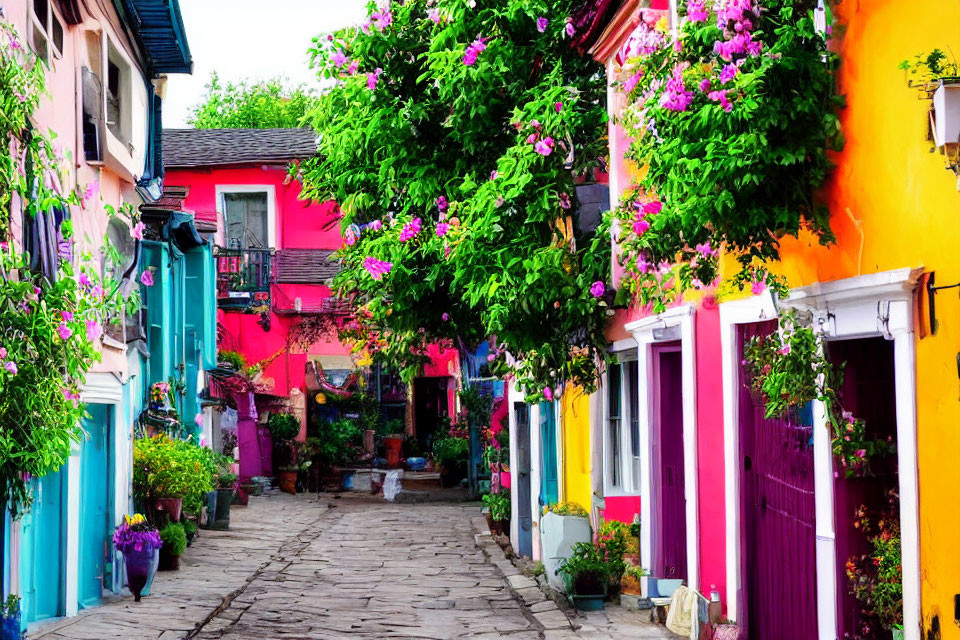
[
  {"x": 209, "y": 147},
  {"x": 304, "y": 266}
]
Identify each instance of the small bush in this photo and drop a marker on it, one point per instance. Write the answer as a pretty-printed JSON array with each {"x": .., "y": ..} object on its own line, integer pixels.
[{"x": 174, "y": 538}]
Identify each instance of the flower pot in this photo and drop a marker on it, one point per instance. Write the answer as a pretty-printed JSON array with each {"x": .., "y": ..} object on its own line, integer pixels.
[
  {"x": 946, "y": 106},
  {"x": 154, "y": 565},
  {"x": 558, "y": 534},
  {"x": 211, "y": 504},
  {"x": 221, "y": 519},
  {"x": 170, "y": 506},
  {"x": 588, "y": 603},
  {"x": 168, "y": 561},
  {"x": 288, "y": 481},
  {"x": 10, "y": 628},
  {"x": 140, "y": 566}
]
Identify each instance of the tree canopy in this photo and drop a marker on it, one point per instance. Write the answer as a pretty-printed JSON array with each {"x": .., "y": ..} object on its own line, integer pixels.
[
  {"x": 254, "y": 105},
  {"x": 452, "y": 140}
]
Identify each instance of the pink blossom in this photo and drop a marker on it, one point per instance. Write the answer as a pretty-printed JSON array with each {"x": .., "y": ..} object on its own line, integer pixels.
[
  {"x": 442, "y": 204},
  {"x": 675, "y": 96},
  {"x": 96, "y": 292},
  {"x": 728, "y": 73},
  {"x": 372, "y": 78},
  {"x": 722, "y": 97},
  {"x": 493, "y": 175},
  {"x": 93, "y": 330},
  {"x": 532, "y": 138},
  {"x": 146, "y": 278},
  {"x": 434, "y": 15},
  {"x": 137, "y": 231},
  {"x": 544, "y": 147},
  {"x": 10, "y": 366},
  {"x": 558, "y": 106},
  {"x": 643, "y": 266},
  {"x": 3, "y": 352},
  {"x": 785, "y": 350},
  {"x": 704, "y": 85},
  {"x": 564, "y": 201},
  {"x": 14, "y": 43},
  {"x": 491, "y": 357},
  {"x": 64, "y": 331},
  {"x": 473, "y": 51},
  {"x": 548, "y": 393},
  {"x": 83, "y": 279},
  {"x": 376, "y": 268},
  {"x": 410, "y": 230},
  {"x": 382, "y": 19},
  {"x": 352, "y": 69},
  {"x": 664, "y": 267},
  {"x": 70, "y": 394},
  {"x": 445, "y": 316},
  {"x": 630, "y": 83},
  {"x": 339, "y": 58},
  {"x": 653, "y": 207},
  {"x": 541, "y": 24},
  {"x": 861, "y": 453},
  {"x": 758, "y": 287},
  {"x": 442, "y": 229},
  {"x": 696, "y": 11},
  {"x": 92, "y": 190},
  {"x": 640, "y": 227},
  {"x": 569, "y": 29},
  {"x": 597, "y": 289},
  {"x": 375, "y": 225},
  {"x": 706, "y": 250},
  {"x": 67, "y": 316}
]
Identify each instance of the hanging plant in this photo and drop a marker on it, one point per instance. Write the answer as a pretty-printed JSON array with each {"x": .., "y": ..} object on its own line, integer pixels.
[
  {"x": 730, "y": 121},
  {"x": 788, "y": 369}
]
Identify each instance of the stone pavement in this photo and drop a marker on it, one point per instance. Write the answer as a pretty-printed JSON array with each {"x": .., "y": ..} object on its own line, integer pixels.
[{"x": 302, "y": 567}]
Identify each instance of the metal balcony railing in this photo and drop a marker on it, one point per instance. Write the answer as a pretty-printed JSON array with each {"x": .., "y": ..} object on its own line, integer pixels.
[{"x": 243, "y": 279}]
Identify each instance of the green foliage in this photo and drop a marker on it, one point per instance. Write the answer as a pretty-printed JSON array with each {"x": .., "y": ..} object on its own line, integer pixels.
[
  {"x": 447, "y": 451},
  {"x": 174, "y": 538},
  {"x": 168, "y": 468},
  {"x": 930, "y": 67},
  {"x": 565, "y": 509},
  {"x": 189, "y": 527},
  {"x": 499, "y": 505},
  {"x": 613, "y": 539},
  {"x": 733, "y": 161},
  {"x": 283, "y": 426},
  {"x": 10, "y": 607},
  {"x": 512, "y": 262},
  {"x": 234, "y": 358},
  {"x": 258, "y": 105},
  {"x": 586, "y": 572},
  {"x": 336, "y": 444},
  {"x": 476, "y": 405},
  {"x": 876, "y": 578}
]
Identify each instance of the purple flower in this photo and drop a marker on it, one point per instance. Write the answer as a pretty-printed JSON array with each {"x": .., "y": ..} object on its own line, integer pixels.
[
  {"x": 70, "y": 394},
  {"x": 92, "y": 189},
  {"x": 442, "y": 229},
  {"x": 375, "y": 225},
  {"x": 564, "y": 201},
  {"x": 597, "y": 289},
  {"x": 93, "y": 330},
  {"x": 10, "y": 366},
  {"x": 706, "y": 250},
  {"x": 704, "y": 85},
  {"x": 558, "y": 106},
  {"x": 491, "y": 357},
  {"x": 96, "y": 292},
  {"x": 64, "y": 331},
  {"x": 721, "y": 96},
  {"x": 445, "y": 316},
  {"x": 493, "y": 174},
  {"x": 675, "y": 96},
  {"x": 442, "y": 204},
  {"x": 631, "y": 83},
  {"x": 728, "y": 73},
  {"x": 372, "y": 78},
  {"x": 352, "y": 69},
  {"x": 473, "y": 51},
  {"x": 569, "y": 29},
  {"x": 14, "y": 43},
  {"x": 67, "y": 316},
  {"x": 410, "y": 230},
  {"x": 339, "y": 58},
  {"x": 643, "y": 266},
  {"x": 653, "y": 207},
  {"x": 382, "y": 19},
  {"x": 3, "y": 352},
  {"x": 640, "y": 227},
  {"x": 758, "y": 287},
  {"x": 376, "y": 268},
  {"x": 548, "y": 393},
  {"x": 434, "y": 15},
  {"x": 664, "y": 267},
  {"x": 696, "y": 11},
  {"x": 541, "y": 24},
  {"x": 544, "y": 147},
  {"x": 146, "y": 278},
  {"x": 83, "y": 280},
  {"x": 64, "y": 249}
]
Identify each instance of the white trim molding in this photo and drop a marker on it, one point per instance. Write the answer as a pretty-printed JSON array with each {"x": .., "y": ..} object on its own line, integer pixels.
[
  {"x": 271, "y": 192},
  {"x": 874, "y": 305},
  {"x": 674, "y": 324}
]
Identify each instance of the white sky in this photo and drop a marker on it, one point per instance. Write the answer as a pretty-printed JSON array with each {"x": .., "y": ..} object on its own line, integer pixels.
[{"x": 251, "y": 39}]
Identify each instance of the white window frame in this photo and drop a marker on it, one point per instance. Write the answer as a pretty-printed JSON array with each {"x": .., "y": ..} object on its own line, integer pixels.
[
  {"x": 874, "y": 305},
  {"x": 269, "y": 189},
  {"x": 46, "y": 29},
  {"x": 625, "y": 351}
]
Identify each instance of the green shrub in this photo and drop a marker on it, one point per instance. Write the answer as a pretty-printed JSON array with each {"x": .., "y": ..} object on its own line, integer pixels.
[
  {"x": 234, "y": 358},
  {"x": 174, "y": 538},
  {"x": 586, "y": 571},
  {"x": 168, "y": 468},
  {"x": 449, "y": 451},
  {"x": 283, "y": 426},
  {"x": 499, "y": 505},
  {"x": 189, "y": 527}
]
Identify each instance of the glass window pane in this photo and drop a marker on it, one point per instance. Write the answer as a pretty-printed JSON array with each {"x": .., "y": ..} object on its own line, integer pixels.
[
  {"x": 613, "y": 395},
  {"x": 245, "y": 220},
  {"x": 633, "y": 393}
]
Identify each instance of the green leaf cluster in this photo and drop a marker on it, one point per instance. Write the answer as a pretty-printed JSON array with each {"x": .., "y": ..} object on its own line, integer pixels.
[
  {"x": 174, "y": 538},
  {"x": 252, "y": 105}
]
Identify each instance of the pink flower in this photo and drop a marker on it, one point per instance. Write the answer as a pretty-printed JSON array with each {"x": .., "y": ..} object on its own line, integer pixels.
[
  {"x": 442, "y": 229},
  {"x": 532, "y": 138},
  {"x": 372, "y": 78},
  {"x": 93, "y": 330},
  {"x": 722, "y": 97},
  {"x": 473, "y": 51},
  {"x": 597, "y": 289},
  {"x": 92, "y": 189},
  {"x": 67, "y": 316},
  {"x": 3, "y": 352},
  {"x": 96, "y": 292},
  {"x": 70, "y": 394},
  {"x": 785, "y": 350},
  {"x": 704, "y": 85},
  {"x": 137, "y": 231},
  {"x": 640, "y": 227},
  {"x": 442, "y": 204},
  {"x": 861, "y": 453},
  {"x": 758, "y": 287},
  {"x": 352, "y": 69},
  {"x": 375, "y": 225},
  {"x": 382, "y": 19},
  {"x": 410, "y": 230},
  {"x": 696, "y": 11},
  {"x": 548, "y": 393},
  {"x": 338, "y": 58},
  {"x": 675, "y": 96},
  {"x": 569, "y": 29},
  {"x": 706, "y": 250},
  {"x": 491, "y": 357},
  {"x": 64, "y": 331},
  {"x": 544, "y": 147},
  {"x": 728, "y": 73},
  {"x": 643, "y": 266},
  {"x": 541, "y": 24},
  {"x": 146, "y": 278},
  {"x": 376, "y": 268},
  {"x": 14, "y": 43},
  {"x": 653, "y": 207},
  {"x": 493, "y": 175},
  {"x": 434, "y": 15},
  {"x": 630, "y": 83},
  {"x": 558, "y": 106},
  {"x": 445, "y": 316},
  {"x": 564, "y": 201},
  {"x": 664, "y": 267},
  {"x": 10, "y": 366}
]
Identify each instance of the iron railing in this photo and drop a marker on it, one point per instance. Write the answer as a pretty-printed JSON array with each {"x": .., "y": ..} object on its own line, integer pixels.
[{"x": 243, "y": 279}]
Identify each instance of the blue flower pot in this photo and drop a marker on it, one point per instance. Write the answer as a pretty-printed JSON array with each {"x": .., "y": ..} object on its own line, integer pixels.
[
  {"x": 10, "y": 628},
  {"x": 588, "y": 603}
]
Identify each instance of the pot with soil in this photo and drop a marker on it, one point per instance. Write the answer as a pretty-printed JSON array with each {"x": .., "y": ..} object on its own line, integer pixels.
[{"x": 174, "y": 543}]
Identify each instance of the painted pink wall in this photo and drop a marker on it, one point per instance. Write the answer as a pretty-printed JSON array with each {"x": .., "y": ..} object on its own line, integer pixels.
[
  {"x": 710, "y": 464},
  {"x": 621, "y": 508}
]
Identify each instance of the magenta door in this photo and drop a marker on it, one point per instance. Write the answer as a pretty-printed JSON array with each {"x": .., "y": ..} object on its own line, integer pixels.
[
  {"x": 670, "y": 532},
  {"x": 777, "y": 519}
]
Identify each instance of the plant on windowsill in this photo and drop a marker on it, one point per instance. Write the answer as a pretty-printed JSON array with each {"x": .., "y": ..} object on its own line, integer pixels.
[
  {"x": 788, "y": 369},
  {"x": 938, "y": 78},
  {"x": 586, "y": 575},
  {"x": 876, "y": 578}
]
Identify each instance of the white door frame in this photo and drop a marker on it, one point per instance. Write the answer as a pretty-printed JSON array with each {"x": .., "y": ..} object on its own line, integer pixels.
[
  {"x": 879, "y": 304},
  {"x": 643, "y": 331}
]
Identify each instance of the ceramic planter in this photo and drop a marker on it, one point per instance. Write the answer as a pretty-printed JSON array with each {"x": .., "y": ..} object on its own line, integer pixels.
[
  {"x": 588, "y": 603},
  {"x": 154, "y": 565},
  {"x": 140, "y": 566},
  {"x": 221, "y": 515},
  {"x": 10, "y": 627},
  {"x": 558, "y": 534},
  {"x": 946, "y": 106}
]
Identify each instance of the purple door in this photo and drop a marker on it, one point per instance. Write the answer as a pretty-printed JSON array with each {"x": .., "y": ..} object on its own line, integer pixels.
[
  {"x": 777, "y": 519},
  {"x": 670, "y": 533}
]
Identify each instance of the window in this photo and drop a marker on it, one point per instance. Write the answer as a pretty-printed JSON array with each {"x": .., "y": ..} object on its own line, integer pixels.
[
  {"x": 621, "y": 439},
  {"x": 633, "y": 411},
  {"x": 246, "y": 220},
  {"x": 118, "y": 95},
  {"x": 614, "y": 391},
  {"x": 92, "y": 121},
  {"x": 46, "y": 30}
]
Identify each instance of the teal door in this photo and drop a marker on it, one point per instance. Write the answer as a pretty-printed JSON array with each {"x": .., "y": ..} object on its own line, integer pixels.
[
  {"x": 549, "y": 492},
  {"x": 95, "y": 481},
  {"x": 44, "y": 542}
]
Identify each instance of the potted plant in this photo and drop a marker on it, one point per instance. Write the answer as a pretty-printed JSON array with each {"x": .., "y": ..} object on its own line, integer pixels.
[
  {"x": 174, "y": 542},
  {"x": 450, "y": 456},
  {"x": 876, "y": 578},
  {"x": 613, "y": 541},
  {"x": 586, "y": 575},
  {"x": 939, "y": 78},
  {"x": 562, "y": 525},
  {"x": 631, "y": 591},
  {"x": 498, "y": 506},
  {"x": 138, "y": 541},
  {"x": 190, "y": 529},
  {"x": 168, "y": 473},
  {"x": 10, "y": 618}
]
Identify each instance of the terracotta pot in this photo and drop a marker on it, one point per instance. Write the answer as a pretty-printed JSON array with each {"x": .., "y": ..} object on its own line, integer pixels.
[
  {"x": 288, "y": 481},
  {"x": 172, "y": 507}
]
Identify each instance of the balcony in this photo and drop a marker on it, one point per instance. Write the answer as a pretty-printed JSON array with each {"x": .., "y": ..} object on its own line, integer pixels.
[{"x": 243, "y": 279}]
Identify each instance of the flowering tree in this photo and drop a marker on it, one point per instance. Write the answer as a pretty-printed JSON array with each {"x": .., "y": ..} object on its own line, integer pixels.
[
  {"x": 50, "y": 325},
  {"x": 732, "y": 118},
  {"x": 451, "y": 140}
]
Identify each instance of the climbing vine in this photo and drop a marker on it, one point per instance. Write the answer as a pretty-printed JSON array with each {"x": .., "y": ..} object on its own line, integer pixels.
[
  {"x": 452, "y": 141},
  {"x": 52, "y": 314},
  {"x": 730, "y": 120},
  {"x": 789, "y": 369}
]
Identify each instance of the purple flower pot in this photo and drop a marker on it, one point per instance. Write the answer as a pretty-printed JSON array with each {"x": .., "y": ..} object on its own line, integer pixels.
[{"x": 140, "y": 567}]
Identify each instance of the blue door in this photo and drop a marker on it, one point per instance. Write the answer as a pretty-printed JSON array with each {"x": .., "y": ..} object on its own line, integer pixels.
[
  {"x": 44, "y": 547},
  {"x": 95, "y": 481},
  {"x": 549, "y": 492}
]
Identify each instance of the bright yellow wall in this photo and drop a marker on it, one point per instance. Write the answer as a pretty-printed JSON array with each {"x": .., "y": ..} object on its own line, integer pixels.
[
  {"x": 575, "y": 421},
  {"x": 908, "y": 209}
]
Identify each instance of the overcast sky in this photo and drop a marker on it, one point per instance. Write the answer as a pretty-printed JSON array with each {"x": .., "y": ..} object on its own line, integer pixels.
[{"x": 244, "y": 39}]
